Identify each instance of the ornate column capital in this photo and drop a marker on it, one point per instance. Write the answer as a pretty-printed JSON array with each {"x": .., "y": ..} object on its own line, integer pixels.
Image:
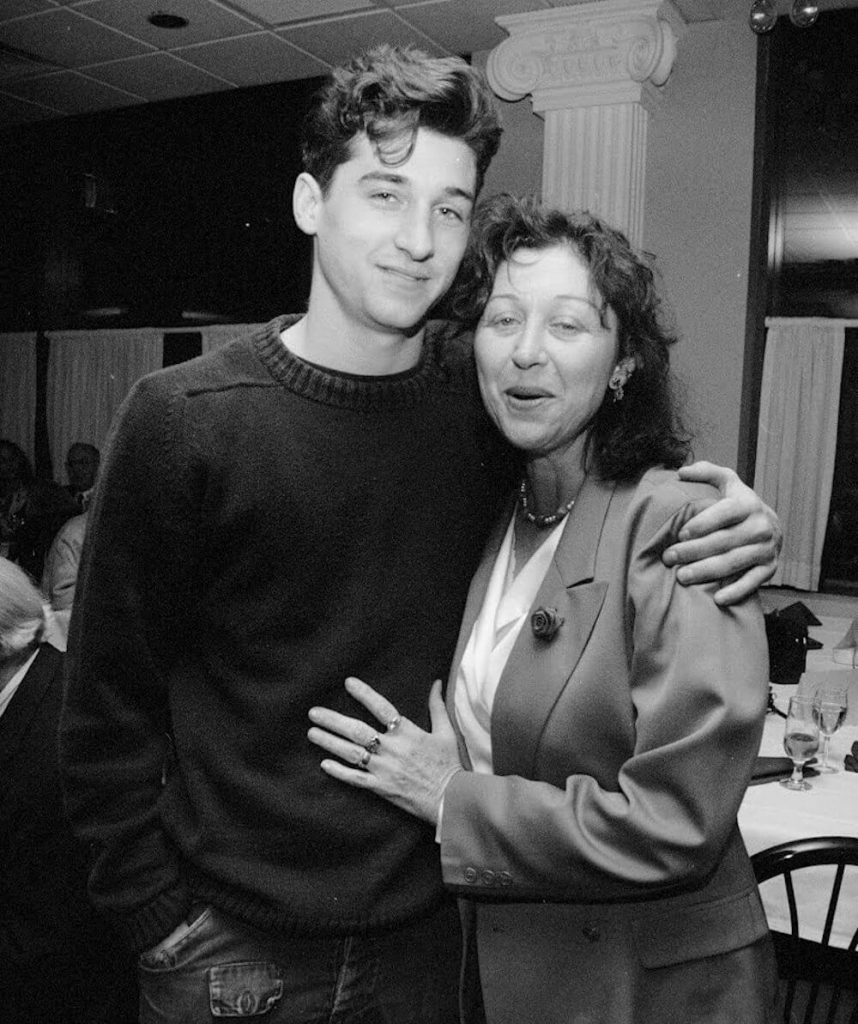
[{"x": 589, "y": 54}]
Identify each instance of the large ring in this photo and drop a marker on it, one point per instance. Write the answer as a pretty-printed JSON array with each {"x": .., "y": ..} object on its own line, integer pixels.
[
  {"x": 373, "y": 744},
  {"x": 394, "y": 723},
  {"x": 365, "y": 758}
]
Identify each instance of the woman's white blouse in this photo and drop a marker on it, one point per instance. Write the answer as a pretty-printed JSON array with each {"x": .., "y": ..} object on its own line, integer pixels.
[{"x": 509, "y": 598}]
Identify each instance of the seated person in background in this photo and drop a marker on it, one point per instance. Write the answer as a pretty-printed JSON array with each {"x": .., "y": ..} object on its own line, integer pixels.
[
  {"x": 82, "y": 463},
  {"x": 59, "y": 578},
  {"x": 608, "y": 717},
  {"x": 59, "y": 962},
  {"x": 31, "y": 510},
  {"x": 16, "y": 478}
]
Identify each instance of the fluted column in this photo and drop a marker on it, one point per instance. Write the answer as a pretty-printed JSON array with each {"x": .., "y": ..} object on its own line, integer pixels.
[{"x": 593, "y": 71}]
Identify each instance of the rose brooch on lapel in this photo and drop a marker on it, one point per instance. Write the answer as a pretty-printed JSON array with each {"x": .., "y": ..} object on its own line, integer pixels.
[{"x": 545, "y": 622}]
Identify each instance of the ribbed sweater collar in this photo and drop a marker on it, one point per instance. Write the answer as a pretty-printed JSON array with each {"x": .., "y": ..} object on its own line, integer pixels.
[{"x": 346, "y": 390}]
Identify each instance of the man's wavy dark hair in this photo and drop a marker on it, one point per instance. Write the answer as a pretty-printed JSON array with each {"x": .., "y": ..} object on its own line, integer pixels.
[
  {"x": 644, "y": 429},
  {"x": 389, "y": 92}
]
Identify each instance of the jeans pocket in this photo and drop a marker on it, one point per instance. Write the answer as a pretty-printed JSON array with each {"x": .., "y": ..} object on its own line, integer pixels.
[
  {"x": 178, "y": 944},
  {"x": 244, "y": 989}
]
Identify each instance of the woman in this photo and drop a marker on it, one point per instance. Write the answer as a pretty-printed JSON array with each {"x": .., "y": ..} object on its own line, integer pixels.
[
  {"x": 609, "y": 718},
  {"x": 60, "y": 962}
]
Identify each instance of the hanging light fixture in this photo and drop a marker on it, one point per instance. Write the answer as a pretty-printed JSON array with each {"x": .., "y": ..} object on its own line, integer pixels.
[
  {"x": 803, "y": 13},
  {"x": 763, "y": 16}
]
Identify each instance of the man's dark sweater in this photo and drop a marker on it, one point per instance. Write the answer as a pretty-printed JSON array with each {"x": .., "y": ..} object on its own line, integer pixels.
[{"x": 261, "y": 530}]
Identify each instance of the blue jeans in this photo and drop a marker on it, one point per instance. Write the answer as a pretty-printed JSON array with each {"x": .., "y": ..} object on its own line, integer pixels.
[{"x": 222, "y": 968}]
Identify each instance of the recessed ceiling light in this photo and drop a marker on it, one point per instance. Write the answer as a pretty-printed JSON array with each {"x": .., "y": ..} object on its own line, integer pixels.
[{"x": 161, "y": 19}]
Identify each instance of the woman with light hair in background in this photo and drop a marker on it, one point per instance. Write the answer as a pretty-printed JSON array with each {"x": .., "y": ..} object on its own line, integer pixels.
[{"x": 61, "y": 963}]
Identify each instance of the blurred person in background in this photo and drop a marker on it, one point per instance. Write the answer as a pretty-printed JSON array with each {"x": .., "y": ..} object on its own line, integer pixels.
[
  {"x": 59, "y": 578},
  {"x": 31, "y": 510},
  {"x": 82, "y": 462},
  {"x": 16, "y": 479},
  {"x": 60, "y": 963}
]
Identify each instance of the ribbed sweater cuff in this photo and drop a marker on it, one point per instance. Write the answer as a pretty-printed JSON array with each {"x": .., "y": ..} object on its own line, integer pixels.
[{"x": 150, "y": 924}]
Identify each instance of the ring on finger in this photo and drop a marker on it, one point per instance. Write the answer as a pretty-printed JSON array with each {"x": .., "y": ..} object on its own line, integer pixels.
[
  {"x": 394, "y": 723},
  {"x": 364, "y": 759},
  {"x": 373, "y": 745}
]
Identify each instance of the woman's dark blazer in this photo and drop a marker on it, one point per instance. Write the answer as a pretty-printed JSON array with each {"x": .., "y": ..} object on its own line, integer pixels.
[
  {"x": 58, "y": 960},
  {"x": 608, "y": 877}
]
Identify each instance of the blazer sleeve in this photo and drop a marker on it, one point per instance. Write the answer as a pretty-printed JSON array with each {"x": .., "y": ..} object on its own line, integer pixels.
[
  {"x": 694, "y": 692},
  {"x": 127, "y": 624}
]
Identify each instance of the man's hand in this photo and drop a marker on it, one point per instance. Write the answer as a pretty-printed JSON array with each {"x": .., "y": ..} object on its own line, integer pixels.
[{"x": 736, "y": 539}]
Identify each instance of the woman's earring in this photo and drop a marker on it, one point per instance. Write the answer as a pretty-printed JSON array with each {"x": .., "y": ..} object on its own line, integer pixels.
[{"x": 616, "y": 385}]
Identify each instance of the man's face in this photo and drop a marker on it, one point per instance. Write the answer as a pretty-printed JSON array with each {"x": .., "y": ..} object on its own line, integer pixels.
[
  {"x": 82, "y": 466},
  {"x": 389, "y": 239}
]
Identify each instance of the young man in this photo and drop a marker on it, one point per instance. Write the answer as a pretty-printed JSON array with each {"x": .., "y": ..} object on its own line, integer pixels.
[{"x": 305, "y": 504}]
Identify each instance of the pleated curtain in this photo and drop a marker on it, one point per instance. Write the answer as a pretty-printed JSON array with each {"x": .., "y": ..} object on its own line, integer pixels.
[
  {"x": 797, "y": 437},
  {"x": 18, "y": 390},
  {"x": 89, "y": 374}
]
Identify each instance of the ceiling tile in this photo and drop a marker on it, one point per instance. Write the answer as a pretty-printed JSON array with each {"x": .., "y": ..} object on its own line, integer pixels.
[
  {"x": 253, "y": 60},
  {"x": 72, "y": 93},
  {"x": 206, "y": 20},
  {"x": 15, "y": 8},
  {"x": 336, "y": 40},
  {"x": 281, "y": 12},
  {"x": 157, "y": 76},
  {"x": 234, "y": 40},
  {"x": 456, "y": 26},
  {"x": 68, "y": 39},
  {"x": 14, "y": 65}
]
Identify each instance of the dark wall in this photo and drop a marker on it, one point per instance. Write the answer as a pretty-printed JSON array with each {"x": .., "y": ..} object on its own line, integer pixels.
[
  {"x": 812, "y": 103},
  {"x": 159, "y": 210}
]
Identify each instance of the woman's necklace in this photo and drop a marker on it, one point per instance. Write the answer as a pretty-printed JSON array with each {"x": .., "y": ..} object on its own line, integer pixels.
[{"x": 541, "y": 522}]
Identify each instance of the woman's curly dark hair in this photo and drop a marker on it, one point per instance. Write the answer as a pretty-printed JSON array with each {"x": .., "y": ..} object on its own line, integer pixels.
[{"x": 644, "y": 429}]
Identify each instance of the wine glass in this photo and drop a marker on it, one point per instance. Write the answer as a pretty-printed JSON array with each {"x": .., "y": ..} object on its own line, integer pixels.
[
  {"x": 801, "y": 739},
  {"x": 830, "y": 705}
]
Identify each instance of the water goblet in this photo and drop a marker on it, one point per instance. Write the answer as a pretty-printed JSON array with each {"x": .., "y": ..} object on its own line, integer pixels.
[
  {"x": 830, "y": 704},
  {"x": 801, "y": 739}
]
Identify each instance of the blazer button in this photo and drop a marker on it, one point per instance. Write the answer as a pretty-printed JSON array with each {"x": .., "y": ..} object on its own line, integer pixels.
[
  {"x": 471, "y": 875},
  {"x": 488, "y": 877},
  {"x": 591, "y": 933}
]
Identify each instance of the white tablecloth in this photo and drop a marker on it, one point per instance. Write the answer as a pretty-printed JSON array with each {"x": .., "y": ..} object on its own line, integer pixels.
[
  {"x": 830, "y": 632},
  {"x": 771, "y": 814},
  {"x": 829, "y": 666}
]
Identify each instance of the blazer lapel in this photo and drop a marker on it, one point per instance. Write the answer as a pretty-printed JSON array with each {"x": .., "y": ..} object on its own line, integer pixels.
[
  {"x": 539, "y": 669},
  {"x": 28, "y": 697}
]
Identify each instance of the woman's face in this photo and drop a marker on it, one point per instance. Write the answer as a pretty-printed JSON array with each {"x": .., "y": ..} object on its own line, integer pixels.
[{"x": 543, "y": 355}]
